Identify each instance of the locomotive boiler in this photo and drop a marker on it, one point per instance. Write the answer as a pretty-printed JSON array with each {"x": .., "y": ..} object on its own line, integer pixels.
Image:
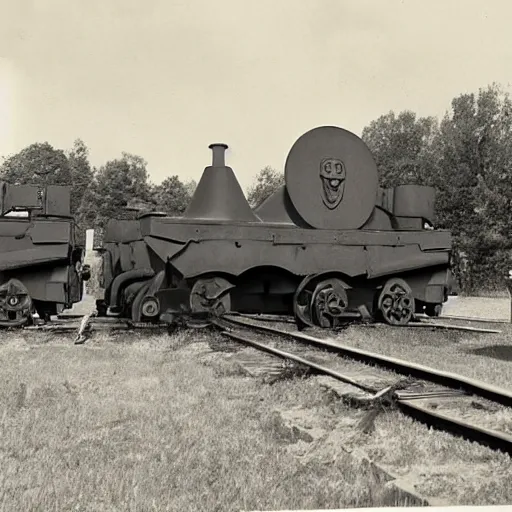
[
  {"x": 40, "y": 263},
  {"x": 328, "y": 245}
]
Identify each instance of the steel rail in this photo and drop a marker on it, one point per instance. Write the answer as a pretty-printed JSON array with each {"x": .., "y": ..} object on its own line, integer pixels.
[
  {"x": 401, "y": 395},
  {"x": 474, "y": 319},
  {"x": 437, "y": 325},
  {"x": 448, "y": 379},
  {"x": 408, "y": 404},
  {"x": 298, "y": 359},
  {"x": 491, "y": 438},
  {"x": 419, "y": 321}
]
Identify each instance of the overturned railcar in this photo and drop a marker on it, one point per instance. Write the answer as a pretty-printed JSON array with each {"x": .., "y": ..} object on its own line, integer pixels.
[
  {"x": 328, "y": 245},
  {"x": 40, "y": 262}
]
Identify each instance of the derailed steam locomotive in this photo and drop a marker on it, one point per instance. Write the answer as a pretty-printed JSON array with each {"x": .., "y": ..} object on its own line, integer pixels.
[
  {"x": 328, "y": 245},
  {"x": 41, "y": 267}
]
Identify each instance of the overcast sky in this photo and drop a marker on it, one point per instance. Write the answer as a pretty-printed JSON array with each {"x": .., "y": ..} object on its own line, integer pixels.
[{"x": 165, "y": 78}]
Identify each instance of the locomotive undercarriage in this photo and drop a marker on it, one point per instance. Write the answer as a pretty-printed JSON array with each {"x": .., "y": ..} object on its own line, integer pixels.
[
  {"x": 23, "y": 295},
  {"x": 324, "y": 300}
]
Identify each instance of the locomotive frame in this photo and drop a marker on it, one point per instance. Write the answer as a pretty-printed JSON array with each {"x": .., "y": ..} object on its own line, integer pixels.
[{"x": 328, "y": 245}]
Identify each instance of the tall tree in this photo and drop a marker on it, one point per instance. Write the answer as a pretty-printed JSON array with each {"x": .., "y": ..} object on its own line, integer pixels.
[
  {"x": 117, "y": 183},
  {"x": 81, "y": 172},
  {"x": 402, "y": 147},
  {"x": 468, "y": 159},
  {"x": 37, "y": 164},
  {"x": 475, "y": 183},
  {"x": 267, "y": 181},
  {"x": 191, "y": 186},
  {"x": 82, "y": 176},
  {"x": 172, "y": 196}
]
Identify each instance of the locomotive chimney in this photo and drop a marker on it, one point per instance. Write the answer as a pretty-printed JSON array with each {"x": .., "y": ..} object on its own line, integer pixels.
[
  {"x": 218, "y": 195},
  {"x": 219, "y": 150}
]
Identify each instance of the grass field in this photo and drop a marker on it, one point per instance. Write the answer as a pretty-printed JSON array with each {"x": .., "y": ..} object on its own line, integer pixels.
[
  {"x": 164, "y": 423},
  {"x": 142, "y": 425}
]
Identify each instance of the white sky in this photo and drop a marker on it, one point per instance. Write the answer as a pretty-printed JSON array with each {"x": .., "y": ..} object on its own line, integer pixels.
[{"x": 165, "y": 78}]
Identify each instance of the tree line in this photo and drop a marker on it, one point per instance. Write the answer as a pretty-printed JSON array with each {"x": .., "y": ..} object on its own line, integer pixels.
[
  {"x": 97, "y": 194},
  {"x": 466, "y": 156}
]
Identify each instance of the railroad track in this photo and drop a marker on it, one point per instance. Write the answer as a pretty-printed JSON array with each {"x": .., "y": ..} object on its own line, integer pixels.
[
  {"x": 420, "y": 321},
  {"x": 440, "y": 399},
  {"x": 443, "y": 400},
  {"x": 69, "y": 322}
]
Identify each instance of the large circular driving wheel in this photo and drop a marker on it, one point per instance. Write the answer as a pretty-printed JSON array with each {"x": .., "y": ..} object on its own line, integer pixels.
[
  {"x": 211, "y": 296},
  {"x": 302, "y": 301},
  {"x": 396, "y": 302},
  {"x": 320, "y": 303},
  {"x": 329, "y": 302}
]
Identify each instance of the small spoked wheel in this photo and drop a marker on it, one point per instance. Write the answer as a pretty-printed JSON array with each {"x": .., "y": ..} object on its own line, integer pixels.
[
  {"x": 15, "y": 304},
  {"x": 396, "y": 302}
]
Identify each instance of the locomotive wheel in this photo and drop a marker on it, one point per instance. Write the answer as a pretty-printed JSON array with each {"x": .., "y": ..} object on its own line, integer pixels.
[
  {"x": 15, "y": 304},
  {"x": 136, "y": 308},
  {"x": 302, "y": 300},
  {"x": 328, "y": 303},
  {"x": 150, "y": 307},
  {"x": 396, "y": 303},
  {"x": 320, "y": 303},
  {"x": 145, "y": 304},
  {"x": 211, "y": 295}
]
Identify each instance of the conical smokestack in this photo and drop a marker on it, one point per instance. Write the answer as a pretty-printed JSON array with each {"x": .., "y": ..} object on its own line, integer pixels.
[{"x": 218, "y": 195}]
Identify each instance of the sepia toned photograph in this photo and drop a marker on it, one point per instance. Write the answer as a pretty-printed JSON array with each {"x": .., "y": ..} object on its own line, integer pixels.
[{"x": 255, "y": 256}]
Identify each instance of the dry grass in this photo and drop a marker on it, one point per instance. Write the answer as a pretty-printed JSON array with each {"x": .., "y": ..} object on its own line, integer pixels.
[
  {"x": 482, "y": 356},
  {"x": 443, "y": 468},
  {"x": 449, "y": 468},
  {"x": 143, "y": 425},
  {"x": 494, "y": 308},
  {"x": 163, "y": 423}
]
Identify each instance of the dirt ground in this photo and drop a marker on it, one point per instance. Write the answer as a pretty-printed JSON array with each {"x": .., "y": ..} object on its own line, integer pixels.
[{"x": 479, "y": 307}]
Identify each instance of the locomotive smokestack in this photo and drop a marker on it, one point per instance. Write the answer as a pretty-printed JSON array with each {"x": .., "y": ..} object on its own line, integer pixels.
[
  {"x": 219, "y": 149},
  {"x": 218, "y": 195}
]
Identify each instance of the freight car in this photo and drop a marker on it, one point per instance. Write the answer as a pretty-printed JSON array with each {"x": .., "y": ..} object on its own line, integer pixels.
[
  {"x": 40, "y": 263},
  {"x": 328, "y": 245}
]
